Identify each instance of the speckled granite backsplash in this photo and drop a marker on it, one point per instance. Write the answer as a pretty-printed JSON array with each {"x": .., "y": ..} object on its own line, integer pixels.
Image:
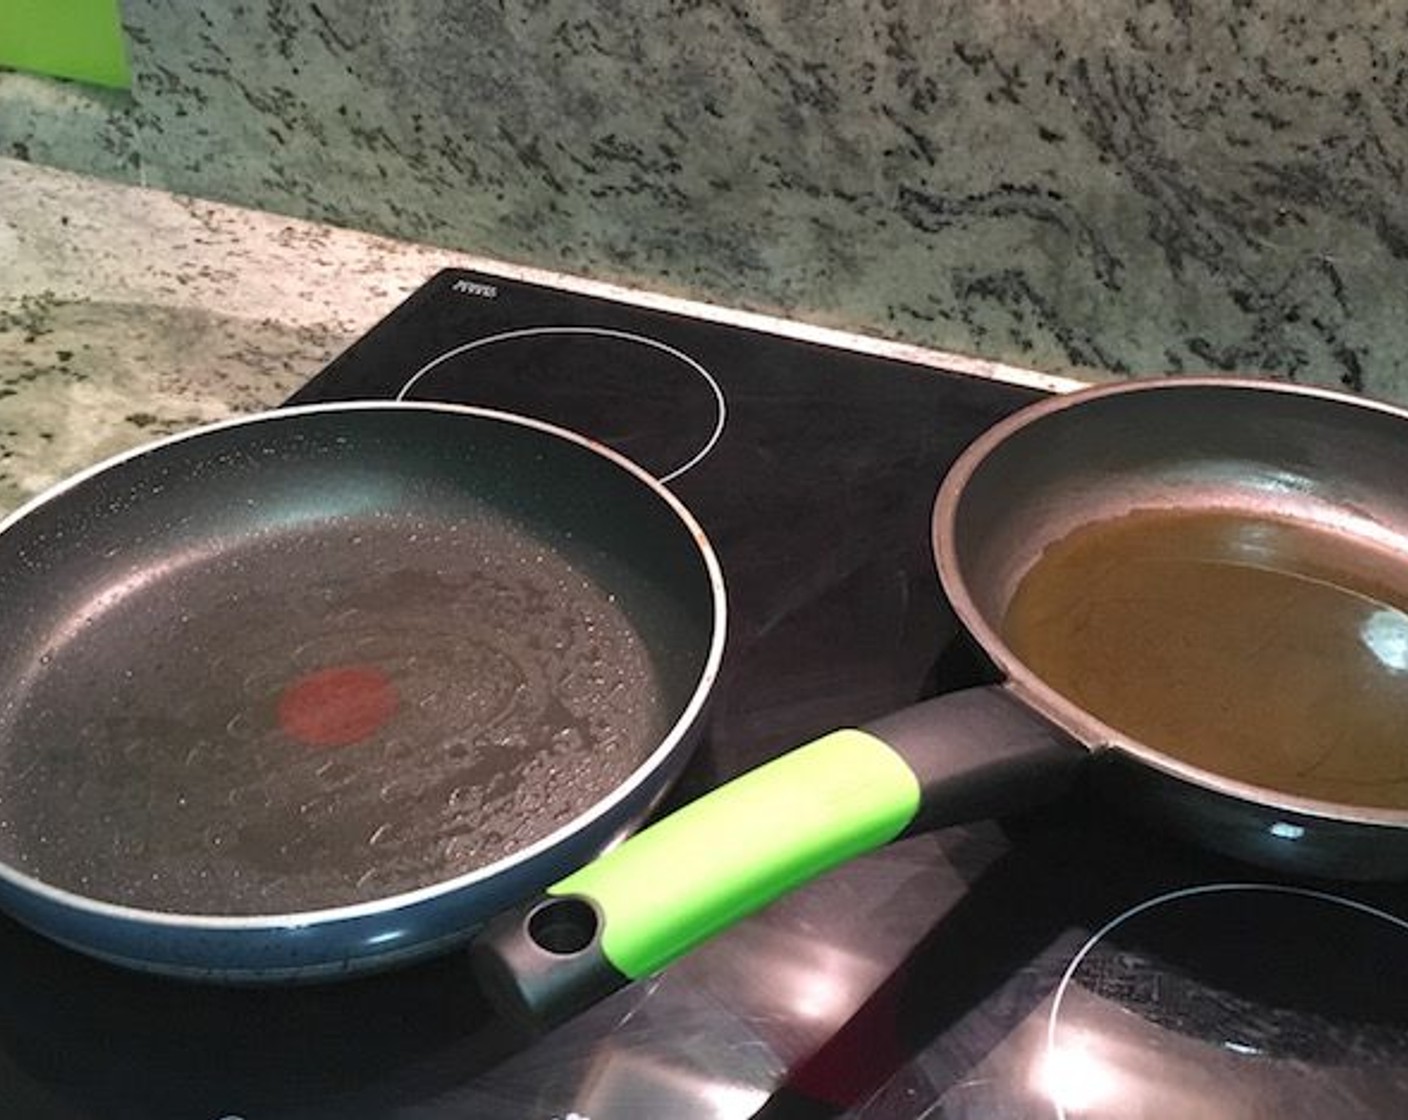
[{"x": 1068, "y": 184}]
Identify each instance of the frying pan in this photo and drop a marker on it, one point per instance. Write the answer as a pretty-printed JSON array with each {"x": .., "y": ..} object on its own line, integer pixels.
[
  {"x": 318, "y": 690},
  {"x": 1325, "y": 461}
]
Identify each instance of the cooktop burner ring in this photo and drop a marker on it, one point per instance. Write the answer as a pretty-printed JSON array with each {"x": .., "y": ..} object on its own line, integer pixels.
[
  {"x": 712, "y": 429},
  {"x": 1061, "y": 1074}
]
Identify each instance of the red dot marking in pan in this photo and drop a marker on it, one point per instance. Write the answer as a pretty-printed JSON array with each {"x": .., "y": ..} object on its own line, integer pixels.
[{"x": 337, "y": 707}]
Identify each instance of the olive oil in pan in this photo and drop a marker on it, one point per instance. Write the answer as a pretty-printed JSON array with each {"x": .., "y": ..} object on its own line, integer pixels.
[{"x": 1256, "y": 649}]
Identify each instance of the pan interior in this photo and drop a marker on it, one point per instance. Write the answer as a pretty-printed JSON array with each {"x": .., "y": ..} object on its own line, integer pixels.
[
  {"x": 1219, "y": 575},
  {"x": 300, "y": 669},
  {"x": 1259, "y": 649}
]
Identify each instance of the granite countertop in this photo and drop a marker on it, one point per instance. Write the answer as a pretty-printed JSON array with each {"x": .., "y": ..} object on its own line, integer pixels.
[
  {"x": 1089, "y": 190},
  {"x": 1141, "y": 189},
  {"x": 128, "y": 313}
]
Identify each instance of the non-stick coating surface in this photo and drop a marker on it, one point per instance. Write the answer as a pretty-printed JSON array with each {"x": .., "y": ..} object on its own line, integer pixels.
[{"x": 495, "y": 605}]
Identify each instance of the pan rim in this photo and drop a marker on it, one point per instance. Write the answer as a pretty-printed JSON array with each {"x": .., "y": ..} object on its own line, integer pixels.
[
  {"x": 1094, "y": 734},
  {"x": 659, "y": 757}
]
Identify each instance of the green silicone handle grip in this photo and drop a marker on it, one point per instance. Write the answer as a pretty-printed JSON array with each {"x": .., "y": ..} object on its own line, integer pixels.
[
  {"x": 702, "y": 868},
  {"x": 964, "y": 756}
]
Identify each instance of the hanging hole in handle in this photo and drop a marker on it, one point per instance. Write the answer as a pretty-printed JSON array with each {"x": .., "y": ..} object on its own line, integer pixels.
[{"x": 564, "y": 925}]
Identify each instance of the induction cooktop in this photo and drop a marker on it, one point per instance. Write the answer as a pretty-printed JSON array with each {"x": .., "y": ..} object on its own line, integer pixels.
[{"x": 1070, "y": 964}]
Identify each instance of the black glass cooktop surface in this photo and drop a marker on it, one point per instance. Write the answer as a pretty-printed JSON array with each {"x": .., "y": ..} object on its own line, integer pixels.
[{"x": 1068, "y": 965}]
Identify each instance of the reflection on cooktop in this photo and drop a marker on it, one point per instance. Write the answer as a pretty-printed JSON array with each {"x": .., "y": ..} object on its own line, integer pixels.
[{"x": 1248, "y": 998}]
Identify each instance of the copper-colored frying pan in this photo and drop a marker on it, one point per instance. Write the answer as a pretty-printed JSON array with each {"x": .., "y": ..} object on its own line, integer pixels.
[{"x": 1266, "y": 464}]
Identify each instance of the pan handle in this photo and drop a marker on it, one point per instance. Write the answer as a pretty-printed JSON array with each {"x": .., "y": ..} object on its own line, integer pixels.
[{"x": 965, "y": 756}]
